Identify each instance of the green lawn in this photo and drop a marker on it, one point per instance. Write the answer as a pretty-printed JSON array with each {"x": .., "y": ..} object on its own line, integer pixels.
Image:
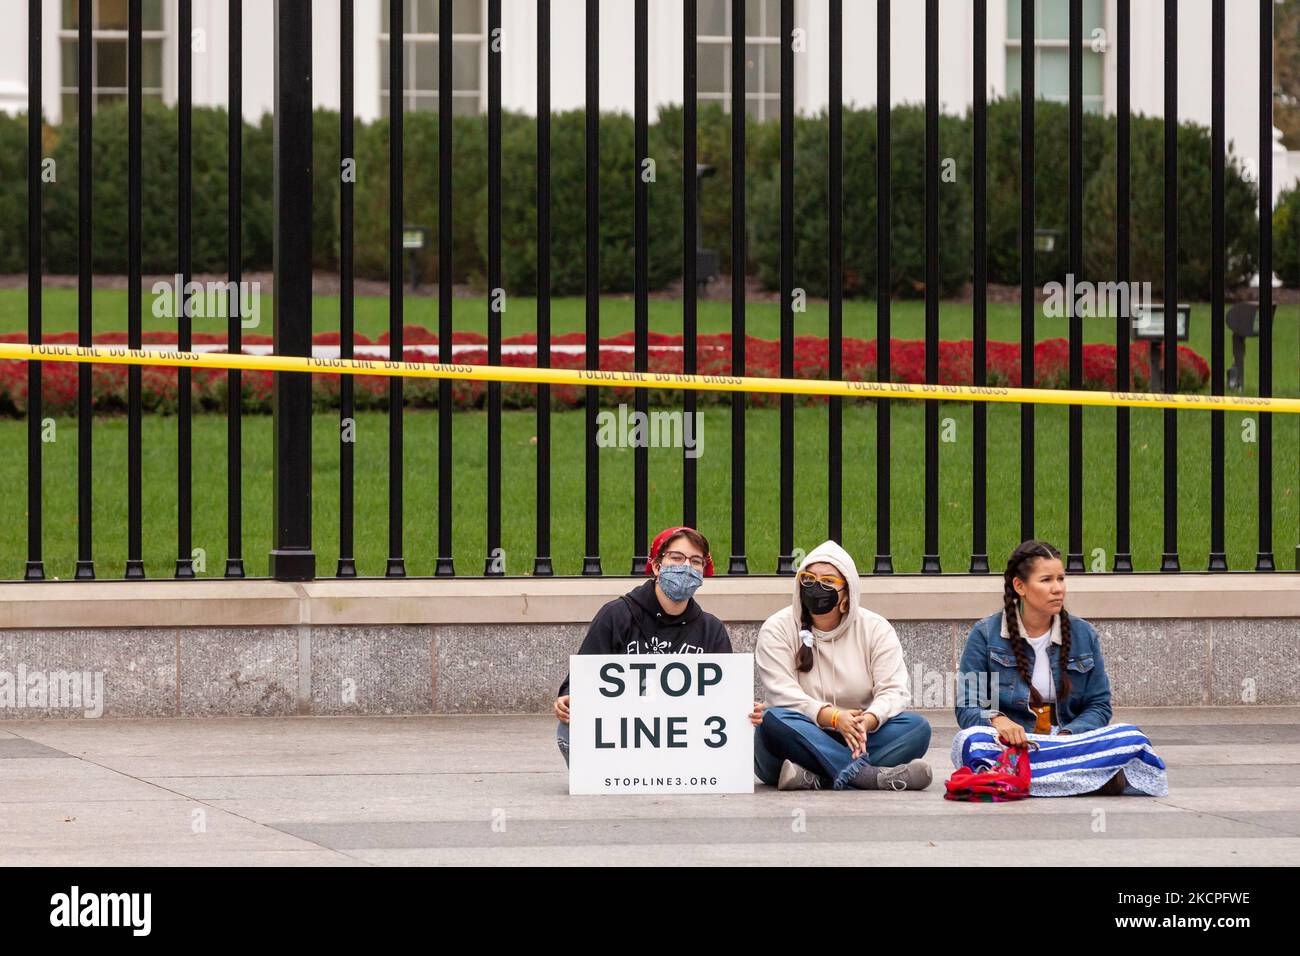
[
  {"x": 209, "y": 490},
  {"x": 763, "y": 320},
  {"x": 209, "y": 487}
]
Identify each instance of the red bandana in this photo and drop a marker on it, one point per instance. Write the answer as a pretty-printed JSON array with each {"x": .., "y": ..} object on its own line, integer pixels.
[{"x": 663, "y": 538}]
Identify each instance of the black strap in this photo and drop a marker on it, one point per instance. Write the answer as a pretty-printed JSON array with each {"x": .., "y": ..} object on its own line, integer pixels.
[{"x": 637, "y": 620}]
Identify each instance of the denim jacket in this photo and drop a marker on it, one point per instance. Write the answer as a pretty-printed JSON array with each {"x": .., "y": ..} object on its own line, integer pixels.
[{"x": 989, "y": 655}]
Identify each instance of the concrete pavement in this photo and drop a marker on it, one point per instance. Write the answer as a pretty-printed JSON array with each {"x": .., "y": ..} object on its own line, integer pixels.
[{"x": 345, "y": 791}]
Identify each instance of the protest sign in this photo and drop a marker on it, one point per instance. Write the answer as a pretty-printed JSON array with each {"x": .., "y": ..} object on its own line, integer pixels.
[{"x": 661, "y": 723}]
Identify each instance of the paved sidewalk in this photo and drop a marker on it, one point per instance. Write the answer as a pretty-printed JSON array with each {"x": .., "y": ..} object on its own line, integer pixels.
[{"x": 492, "y": 790}]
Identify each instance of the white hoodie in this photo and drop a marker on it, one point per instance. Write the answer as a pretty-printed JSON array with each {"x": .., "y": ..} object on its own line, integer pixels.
[{"x": 858, "y": 665}]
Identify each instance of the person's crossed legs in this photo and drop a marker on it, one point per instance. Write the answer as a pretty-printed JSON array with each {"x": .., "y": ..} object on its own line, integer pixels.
[{"x": 786, "y": 734}]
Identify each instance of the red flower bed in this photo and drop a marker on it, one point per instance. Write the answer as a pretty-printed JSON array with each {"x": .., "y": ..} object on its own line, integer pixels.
[{"x": 762, "y": 359}]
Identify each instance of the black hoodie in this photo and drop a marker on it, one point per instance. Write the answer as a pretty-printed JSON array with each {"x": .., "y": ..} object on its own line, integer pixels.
[{"x": 614, "y": 631}]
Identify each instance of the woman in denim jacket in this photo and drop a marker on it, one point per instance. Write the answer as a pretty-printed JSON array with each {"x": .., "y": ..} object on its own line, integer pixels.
[{"x": 1032, "y": 674}]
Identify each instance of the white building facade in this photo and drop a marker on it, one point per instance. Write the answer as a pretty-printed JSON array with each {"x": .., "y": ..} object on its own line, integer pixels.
[{"x": 519, "y": 64}]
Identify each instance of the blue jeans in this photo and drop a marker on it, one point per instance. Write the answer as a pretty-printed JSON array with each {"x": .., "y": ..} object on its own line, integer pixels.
[
  {"x": 562, "y": 739},
  {"x": 787, "y": 734}
]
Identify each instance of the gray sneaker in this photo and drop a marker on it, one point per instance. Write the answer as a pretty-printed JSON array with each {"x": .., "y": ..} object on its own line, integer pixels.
[
  {"x": 795, "y": 777},
  {"x": 909, "y": 776}
]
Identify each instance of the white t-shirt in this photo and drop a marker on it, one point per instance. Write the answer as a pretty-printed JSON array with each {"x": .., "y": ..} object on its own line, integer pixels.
[{"x": 1042, "y": 678}]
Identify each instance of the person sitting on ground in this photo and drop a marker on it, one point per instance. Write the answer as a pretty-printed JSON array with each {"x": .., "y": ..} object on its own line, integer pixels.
[
  {"x": 1012, "y": 690},
  {"x": 836, "y": 687},
  {"x": 660, "y": 616}
]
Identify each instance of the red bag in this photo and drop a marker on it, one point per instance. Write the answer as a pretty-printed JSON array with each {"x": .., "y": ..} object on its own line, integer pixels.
[{"x": 1008, "y": 779}]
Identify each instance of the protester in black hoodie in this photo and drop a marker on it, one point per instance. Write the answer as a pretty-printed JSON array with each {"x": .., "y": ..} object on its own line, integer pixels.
[{"x": 657, "y": 617}]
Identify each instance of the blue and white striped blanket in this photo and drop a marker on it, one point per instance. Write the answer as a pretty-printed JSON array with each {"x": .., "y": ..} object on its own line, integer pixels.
[{"x": 1064, "y": 766}]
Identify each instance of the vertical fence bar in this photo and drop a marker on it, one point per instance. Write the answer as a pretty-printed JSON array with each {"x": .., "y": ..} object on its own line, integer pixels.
[
  {"x": 1169, "y": 560},
  {"x": 542, "y": 561},
  {"x": 396, "y": 564},
  {"x": 785, "y": 560},
  {"x": 184, "y": 307},
  {"x": 347, "y": 566},
  {"x": 134, "y": 451},
  {"x": 979, "y": 559},
  {"x": 591, "y": 560},
  {"x": 1123, "y": 115},
  {"x": 1218, "y": 268},
  {"x": 444, "y": 566},
  {"x": 930, "y": 563},
  {"x": 1264, "y": 559},
  {"x": 641, "y": 238},
  {"x": 85, "y": 288},
  {"x": 738, "y": 563},
  {"x": 884, "y": 563},
  {"x": 494, "y": 564},
  {"x": 835, "y": 416},
  {"x": 1074, "y": 551},
  {"x": 1028, "y": 303},
  {"x": 292, "y": 558},
  {"x": 235, "y": 308},
  {"x": 690, "y": 233},
  {"x": 35, "y": 567}
]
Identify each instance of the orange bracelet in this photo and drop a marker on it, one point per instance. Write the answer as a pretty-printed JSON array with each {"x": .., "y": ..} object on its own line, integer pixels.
[{"x": 835, "y": 716}]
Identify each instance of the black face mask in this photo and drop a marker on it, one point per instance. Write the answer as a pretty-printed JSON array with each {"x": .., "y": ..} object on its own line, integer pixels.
[{"x": 818, "y": 598}]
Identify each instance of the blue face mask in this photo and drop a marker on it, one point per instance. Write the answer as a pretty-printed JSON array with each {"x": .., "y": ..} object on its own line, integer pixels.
[{"x": 679, "y": 581}]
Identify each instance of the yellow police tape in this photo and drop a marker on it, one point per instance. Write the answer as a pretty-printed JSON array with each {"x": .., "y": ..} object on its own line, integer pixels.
[{"x": 120, "y": 355}]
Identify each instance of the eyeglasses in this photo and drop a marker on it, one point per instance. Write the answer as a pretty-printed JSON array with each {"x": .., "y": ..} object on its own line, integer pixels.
[
  {"x": 806, "y": 579},
  {"x": 677, "y": 557}
]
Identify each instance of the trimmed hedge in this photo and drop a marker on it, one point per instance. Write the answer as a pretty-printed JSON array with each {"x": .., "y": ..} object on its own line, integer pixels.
[
  {"x": 109, "y": 157},
  {"x": 1286, "y": 238},
  {"x": 13, "y": 193},
  {"x": 1195, "y": 255},
  {"x": 617, "y": 169}
]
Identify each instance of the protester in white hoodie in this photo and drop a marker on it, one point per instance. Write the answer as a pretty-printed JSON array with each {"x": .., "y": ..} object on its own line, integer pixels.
[{"x": 836, "y": 688}]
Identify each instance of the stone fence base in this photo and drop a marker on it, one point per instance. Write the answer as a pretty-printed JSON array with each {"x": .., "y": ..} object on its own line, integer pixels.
[{"x": 219, "y": 648}]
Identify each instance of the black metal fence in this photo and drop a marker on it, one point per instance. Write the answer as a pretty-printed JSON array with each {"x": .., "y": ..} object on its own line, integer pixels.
[{"x": 293, "y": 557}]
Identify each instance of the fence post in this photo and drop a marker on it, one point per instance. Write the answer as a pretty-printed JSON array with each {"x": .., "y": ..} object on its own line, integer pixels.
[{"x": 292, "y": 558}]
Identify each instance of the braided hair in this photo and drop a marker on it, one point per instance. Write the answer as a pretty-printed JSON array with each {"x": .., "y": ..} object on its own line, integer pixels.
[
  {"x": 804, "y": 659},
  {"x": 1021, "y": 565}
]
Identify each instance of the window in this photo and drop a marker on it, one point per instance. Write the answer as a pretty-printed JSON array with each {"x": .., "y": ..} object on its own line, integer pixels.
[
  {"x": 1052, "y": 51},
  {"x": 762, "y": 55},
  {"x": 108, "y": 56},
  {"x": 420, "y": 60}
]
